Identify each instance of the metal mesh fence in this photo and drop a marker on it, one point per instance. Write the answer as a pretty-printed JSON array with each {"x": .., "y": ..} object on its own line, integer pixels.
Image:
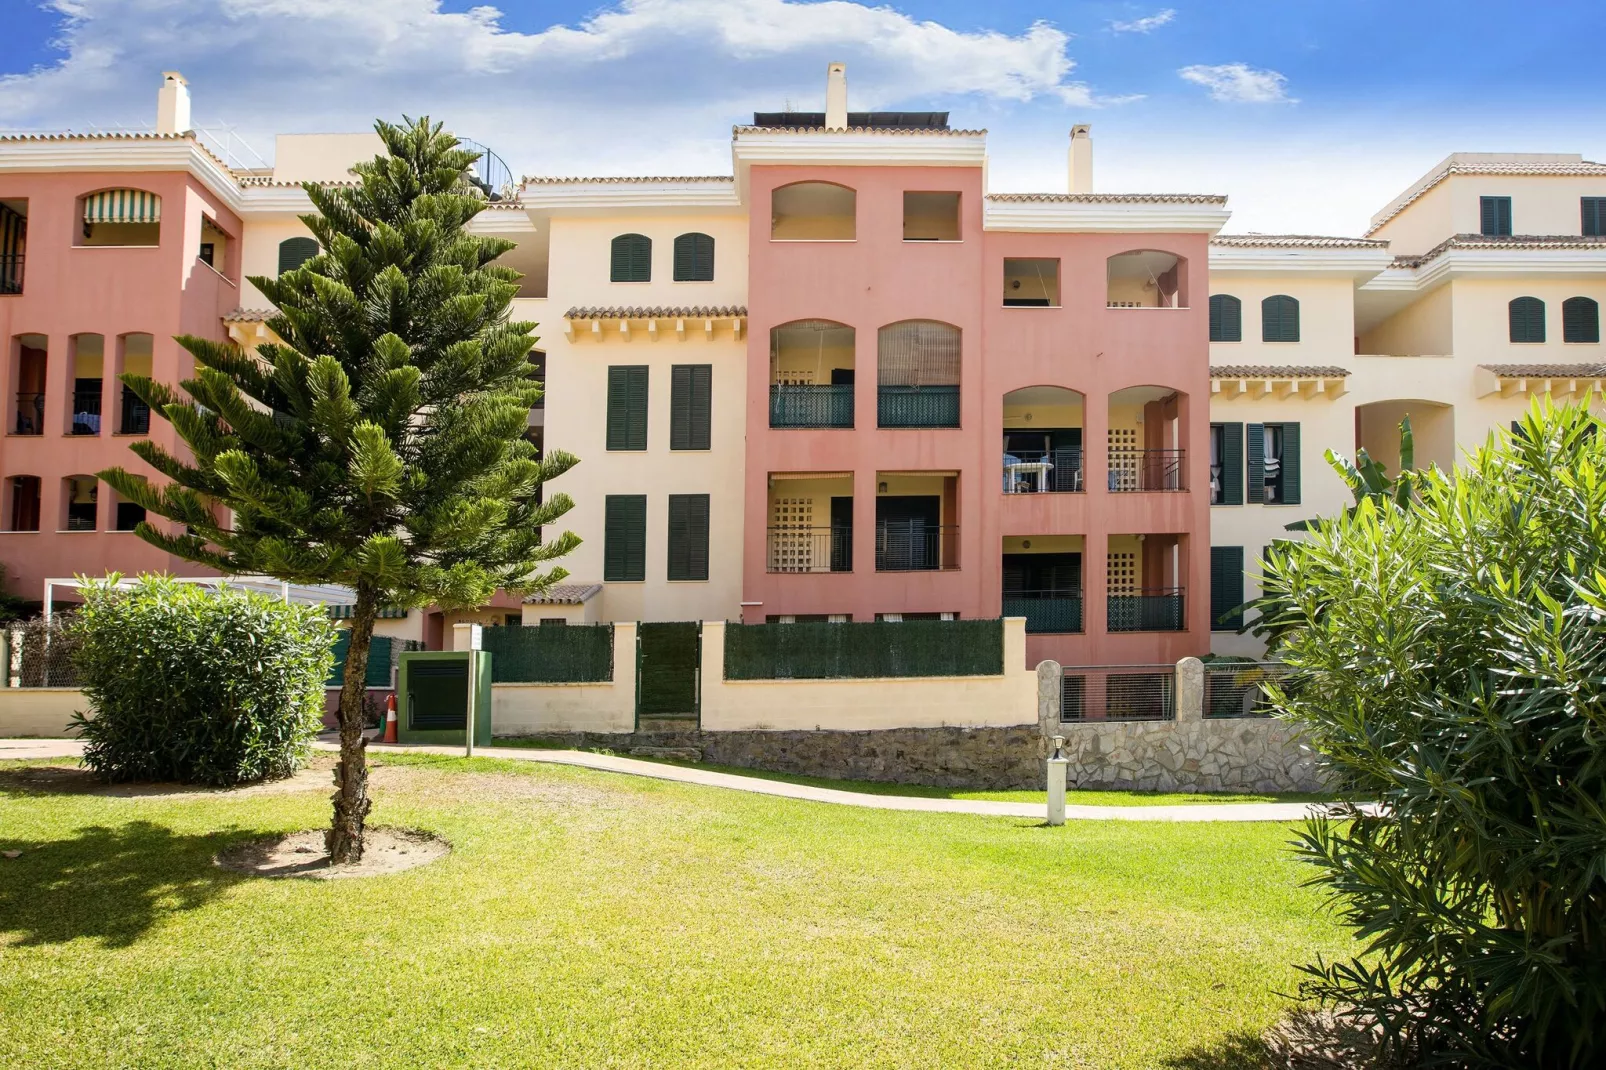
[
  {"x": 550, "y": 653},
  {"x": 1238, "y": 688},
  {"x": 41, "y": 655},
  {"x": 864, "y": 649},
  {"x": 1119, "y": 693}
]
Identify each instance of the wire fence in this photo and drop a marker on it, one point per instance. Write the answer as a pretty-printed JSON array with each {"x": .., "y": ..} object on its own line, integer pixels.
[
  {"x": 1238, "y": 688},
  {"x": 1118, "y": 693},
  {"x": 41, "y": 655},
  {"x": 550, "y": 653}
]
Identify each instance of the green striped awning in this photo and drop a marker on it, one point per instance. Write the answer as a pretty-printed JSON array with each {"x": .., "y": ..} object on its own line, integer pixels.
[{"x": 122, "y": 206}]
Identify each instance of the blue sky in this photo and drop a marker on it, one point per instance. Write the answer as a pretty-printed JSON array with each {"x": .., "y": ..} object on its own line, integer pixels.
[{"x": 1309, "y": 115}]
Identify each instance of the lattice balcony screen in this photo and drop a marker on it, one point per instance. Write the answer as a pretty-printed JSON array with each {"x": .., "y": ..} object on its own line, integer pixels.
[{"x": 918, "y": 353}]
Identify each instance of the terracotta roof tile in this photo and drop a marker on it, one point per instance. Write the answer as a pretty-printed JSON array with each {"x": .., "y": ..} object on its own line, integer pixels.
[
  {"x": 1466, "y": 167},
  {"x": 576, "y": 180},
  {"x": 250, "y": 315},
  {"x": 564, "y": 594},
  {"x": 1585, "y": 370},
  {"x": 1112, "y": 198},
  {"x": 1275, "y": 371},
  {"x": 1295, "y": 241},
  {"x": 1502, "y": 241},
  {"x": 655, "y": 312}
]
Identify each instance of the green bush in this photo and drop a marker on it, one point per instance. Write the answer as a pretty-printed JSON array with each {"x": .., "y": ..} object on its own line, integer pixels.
[
  {"x": 1453, "y": 667},
  {"x": 196, "y": 685}
]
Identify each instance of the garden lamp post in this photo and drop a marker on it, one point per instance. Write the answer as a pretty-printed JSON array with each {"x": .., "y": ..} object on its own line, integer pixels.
[{"x": 1056, "y": 782}]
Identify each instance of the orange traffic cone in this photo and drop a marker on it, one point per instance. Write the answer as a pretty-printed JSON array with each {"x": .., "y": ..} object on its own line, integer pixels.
[{"x": 390, "y": 718}]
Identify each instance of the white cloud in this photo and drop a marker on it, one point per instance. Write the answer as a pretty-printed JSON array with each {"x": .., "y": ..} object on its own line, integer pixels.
[
  {"x": 1145, "y": 24},
  {"x": 1239, "y": 83},
  {"x": 639, "y": 83}
]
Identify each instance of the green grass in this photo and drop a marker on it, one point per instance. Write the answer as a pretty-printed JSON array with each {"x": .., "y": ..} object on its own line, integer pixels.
[
  {"x": 588, "y": 919},
  {"x": 1080, "y": 797}
]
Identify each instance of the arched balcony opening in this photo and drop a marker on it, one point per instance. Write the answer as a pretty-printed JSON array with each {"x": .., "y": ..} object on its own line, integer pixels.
[
  {"x": 917, "y": 370},
  {"x": 1146, "y": 278},
  {"x": 133, "y": 416},
  {"x": 29, "y": 371},
  {"x": 22, "y": 503},
  {"x": 1145, "y": 439},
  {"x": 80, "y": 503},
  {"x": 1377, "y": 431},
  {"x": 811, "y": 374},
  {"x": 119, "y": 217},
  {"x": 86, "y": 378},
  {"x": 813, "y": 211},
  {"x": 1043, "y": 440}
]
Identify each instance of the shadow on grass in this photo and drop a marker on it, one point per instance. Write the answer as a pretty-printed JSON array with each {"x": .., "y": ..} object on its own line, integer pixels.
[
  {"x": 1236, "y": 1051},
  {"x": 109, "y": 884}
]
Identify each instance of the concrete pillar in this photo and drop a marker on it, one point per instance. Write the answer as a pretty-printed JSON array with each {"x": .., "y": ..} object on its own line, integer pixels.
[
  {"x": 1049, "y": 675},
  {"x": 461, "y": 636},
  {"x": 1190, "y": 690}
]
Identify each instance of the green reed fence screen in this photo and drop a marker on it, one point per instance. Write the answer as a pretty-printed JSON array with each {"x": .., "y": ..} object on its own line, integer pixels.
[
  {"x": 551, "y": 654},
  {"x": 820, "y": 651}
]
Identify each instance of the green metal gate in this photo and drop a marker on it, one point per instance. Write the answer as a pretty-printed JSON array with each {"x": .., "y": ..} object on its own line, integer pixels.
[{"x": 668, "y": 667}]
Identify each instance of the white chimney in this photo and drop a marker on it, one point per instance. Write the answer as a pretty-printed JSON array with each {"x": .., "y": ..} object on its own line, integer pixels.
[
  {"x": 836, "y": 96},
  {"x": 1081, "y": 159},
  {"x": 173, "y": 104}
]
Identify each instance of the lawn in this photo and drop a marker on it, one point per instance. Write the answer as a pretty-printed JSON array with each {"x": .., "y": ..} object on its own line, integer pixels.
[{"x": 589, "y": 919}]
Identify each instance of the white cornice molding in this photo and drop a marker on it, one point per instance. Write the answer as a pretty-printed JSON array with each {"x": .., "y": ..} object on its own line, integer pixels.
[
  {"x": 1347, "y": 263},
  {"x": 131, "y": 155},
  {"x": 1092, "y": 217},
  {"x": 1489, "y": 263},
  {"x": 501, "y": 221},
  {"x": 622, "y": 196},
  {"x": 839, "y": 148}
]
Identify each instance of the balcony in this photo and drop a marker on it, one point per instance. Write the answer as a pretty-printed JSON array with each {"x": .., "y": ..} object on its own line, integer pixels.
[
  {"x": 1046, "y": 612},
  {"x": 917, "y": 406},
  {"x": 805, "y": 405},
  {"x": 86, "y": 409},
  {"x": 1146, "y": 609},
  {"x": 1043, "y": 471},
  {"x": 1145, "y": 470},
  {"x": 136, "y": 415},
  {"x": 915, "y": 546},
  {"x": 811, "y": 549},
  {"x": 30, "y": 413},
  {"x": 11, "y": 273}
]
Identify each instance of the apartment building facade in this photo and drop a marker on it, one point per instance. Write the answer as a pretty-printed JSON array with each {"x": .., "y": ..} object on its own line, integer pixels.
[{"x": 846, "y": 382}]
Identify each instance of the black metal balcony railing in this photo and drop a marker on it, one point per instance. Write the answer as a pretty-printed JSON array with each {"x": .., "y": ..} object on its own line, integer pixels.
[
  {"x": 811, "y": 549},
  {"x": 136, "y": 415},
  {"x": 917, "y": 406},
  {"x": 1046, "y": 612},
  {"x": 1134, "y": 470},
  {"x": 86, "y": 412},
  {"x": 81, "y": 517},
  {"x": 10, "y": 273},
  {"x": 1148, "y": 609},
  {"x": 804, "y": 405},
  {"x": 30, "y": 414},
  {"x": 915, "y": 546},
  {"x": 1025, "y": 471}
]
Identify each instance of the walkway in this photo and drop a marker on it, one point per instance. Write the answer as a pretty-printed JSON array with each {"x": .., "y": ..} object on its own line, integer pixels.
[{"x": 609, "y": 763}]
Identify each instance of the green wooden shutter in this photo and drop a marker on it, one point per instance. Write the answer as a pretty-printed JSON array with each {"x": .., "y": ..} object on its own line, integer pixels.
[
  {"x": 694, "y": 258},
  {"x": 1291, "y": 485},
  {"x": 1226, "y": 587},
  {"x": 1279, "y": 319},
  {"x": 688, "y": 536},
  {"x": 293, "y": 252},
  {"x": 1526, "y": 316},
  {"x": 624, "y": 538},
  {"x": 631, "y": 259},
  {"x": 1226, "y": 318},
  {"x": 690, "y": 406},
  {"x": 1580, "y": 320},
  {"x": 627, "y": 407},
  {"x": 1593, "y": 209},
  {"x": 1232, "y": 464},
  {"x": 1494, "y": 215},
  {"x": 1255, "y": 434}
]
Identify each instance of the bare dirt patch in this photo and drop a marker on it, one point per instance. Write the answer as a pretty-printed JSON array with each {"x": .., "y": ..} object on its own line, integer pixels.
[
  {"x": 301, "y": 854},
  {"x": 1323, "y": 1040}
]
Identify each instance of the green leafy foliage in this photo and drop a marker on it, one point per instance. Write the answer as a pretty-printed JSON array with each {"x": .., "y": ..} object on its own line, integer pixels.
[
  {"x": 196, "y": 685},
  {"x": 1451, "y": 665}
]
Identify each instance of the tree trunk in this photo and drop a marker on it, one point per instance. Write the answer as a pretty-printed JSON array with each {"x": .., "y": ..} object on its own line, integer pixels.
[{"x": 351, "y": 802}]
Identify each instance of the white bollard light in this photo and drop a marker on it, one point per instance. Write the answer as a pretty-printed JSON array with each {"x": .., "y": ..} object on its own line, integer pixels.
[{"x": 1057, "y": 763}]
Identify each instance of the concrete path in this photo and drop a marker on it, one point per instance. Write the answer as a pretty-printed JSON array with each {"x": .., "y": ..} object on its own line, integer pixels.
[{"x": 70, "y": 748}]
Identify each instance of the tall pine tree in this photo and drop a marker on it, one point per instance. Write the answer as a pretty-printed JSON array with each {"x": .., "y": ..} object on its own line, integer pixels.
[{"x": 380, "y": 443}]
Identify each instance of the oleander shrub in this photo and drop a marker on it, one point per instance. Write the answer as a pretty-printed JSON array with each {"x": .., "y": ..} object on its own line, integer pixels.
[
  {"x": 201, "y": 686},
  {"x": 1452, "y": 659}
]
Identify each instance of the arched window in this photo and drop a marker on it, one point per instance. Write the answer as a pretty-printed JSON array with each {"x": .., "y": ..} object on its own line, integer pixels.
[
  {"x": 694, "y": 258},
  {"x": 293, "y": 252},
  {"x": 1226, "y": 318},
  {"x": 632, "y": 259},
  {"x": 1279, "y": 319},
  {"x": 813, "y": 211},
  {"x": 121, "y": 217},
  {"x": 917, "y": 374},
  {"x": 1145, "y": 278},
  {"x": 1527, "y": 318},
  {"x": 1580, "y": 320}
]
